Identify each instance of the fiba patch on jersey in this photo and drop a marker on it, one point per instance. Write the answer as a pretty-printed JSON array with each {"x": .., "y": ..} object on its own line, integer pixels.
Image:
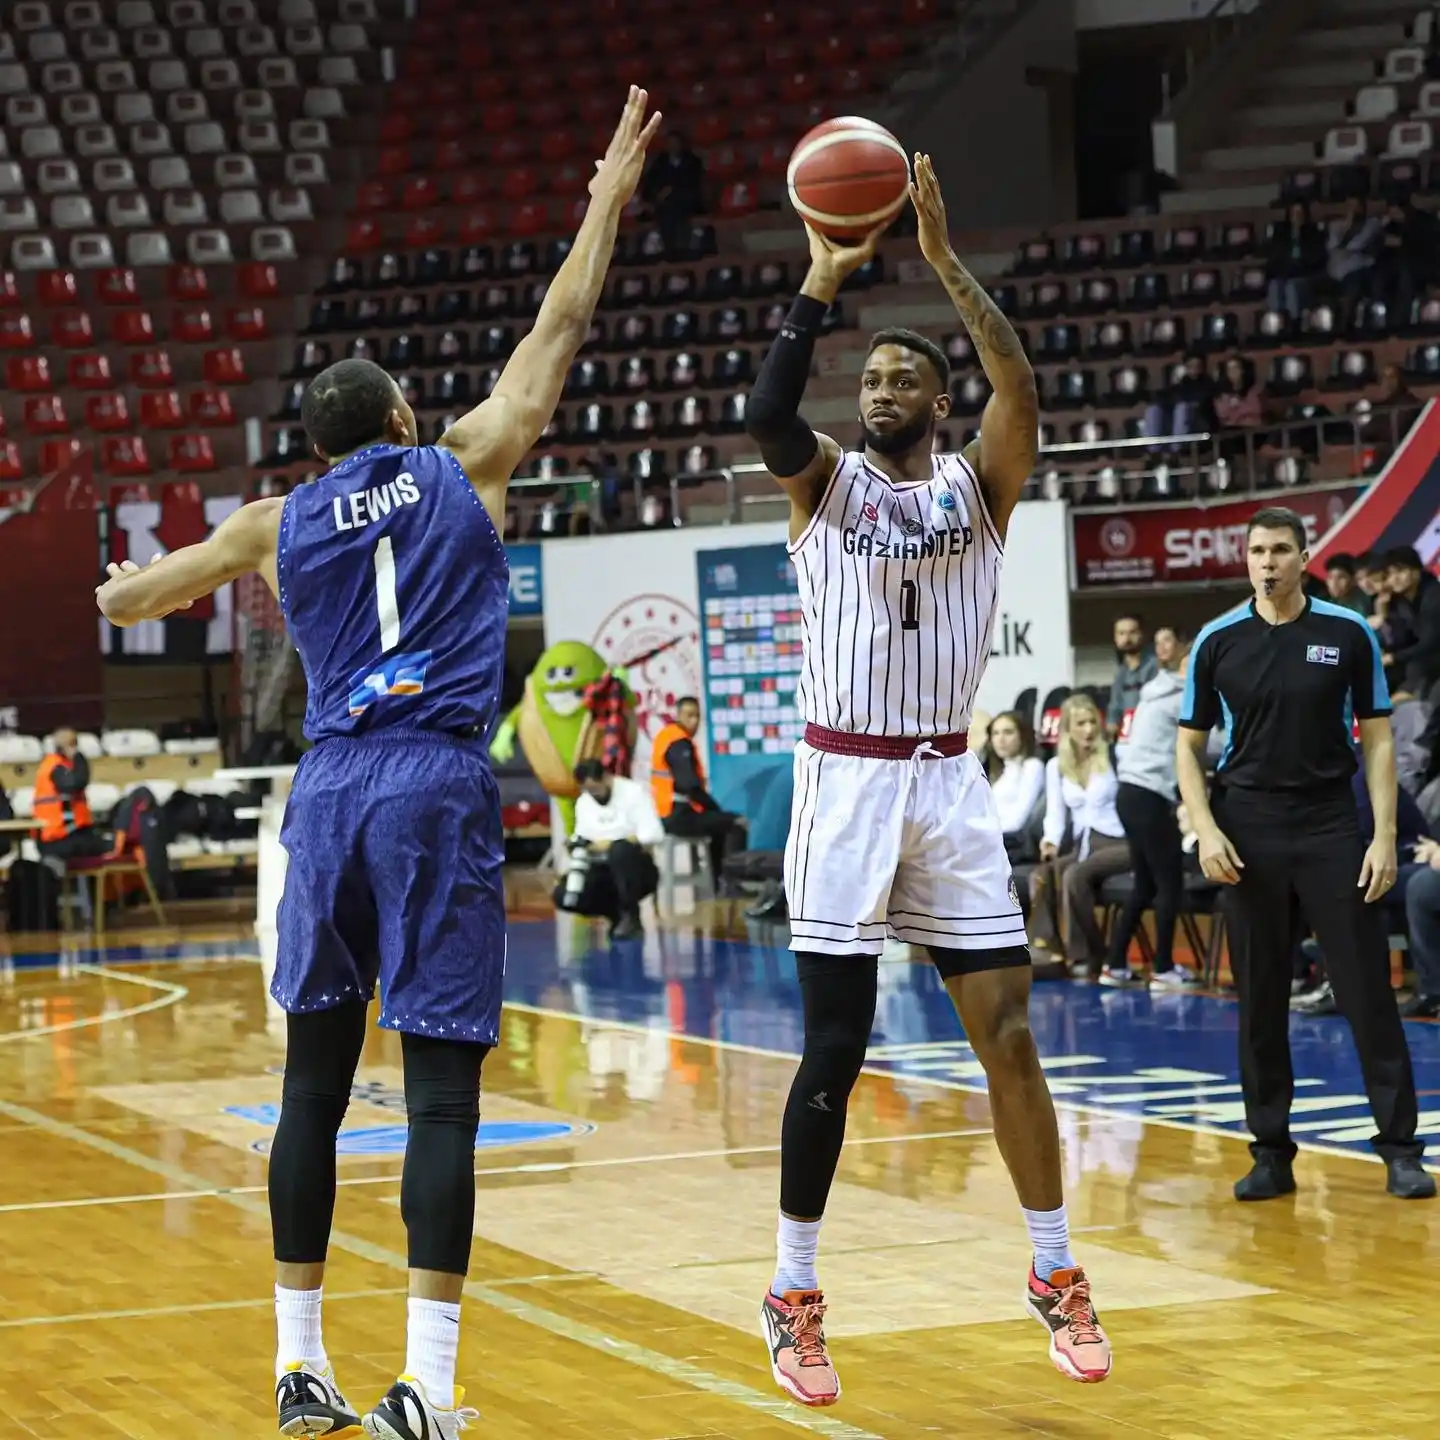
[
  {"x": 1014, "y": 894},
  {"x": 396, "y": 675},
  {"x": 1322, "y": 654}
]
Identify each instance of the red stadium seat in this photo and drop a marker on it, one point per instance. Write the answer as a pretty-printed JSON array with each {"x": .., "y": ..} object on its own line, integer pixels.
[
  {"x": 497, "y": 118},
  {"x": 45, "y": 415},
  {"x": 423, "y": 232},
  {"x": 362, "y": 235},
  {"x": 57, "y": 454},
  {"x": 767, "y": 25},
  {"x": 161, "y": 411},
  {"x": 393, "y": 160},
  {"x": 737, "y": 198},
  {"x": 519, "y": 183},
  {"x": 194, "y": 324},
  {"x": 192, "y": 454},
  {"x": 408, "y": 94},
  {"x": 916, "y": 13},
  {"x": 10, "y": 464},
  {"x": 258, "y": 280},
  {"x": 117, "y": 287},
  {"x": 247, "y": 322},
  {"x": 133, "y": 327},
  {"x": 58, "y": 287},
  {"x": 452, "y": 122},
  {"x": 832, "y": 52},
  {"x": 420, "y": 193},
  {"x": 9, "y": 290},
  {"x": 373, "y": 197},
  {"x": 189, "y": 282},
  {"x": 151, "y": 370},
  {"x": 125, "y": 455},
  {"x": 28, "y": 373},
  {"x": 472, "y": 186},
  {"x": 546, "y": 113},
  {"x": 570, "y": 179},
  {"x": 478, "y": 226},
  {"x": 451, "y": 155},
  {"x": 212, "y": 408},
  {"x": 724, "y": 163},
  {"x": 796, "y": 87},
  {"x": 557, "y": 144},
  {"x": 225, "y": 367},
  {"x": 396, "y": 128},
  {"x": 110, "y": 411},
  {"x": 488, "y": 88},
  {"x": 759, "y": 125},
  {"x": 72, "y": 330},
  {"x": 4, "y": 425},
  {"x": 530, "y": 218},
  {"x": 16, "y": 333},
  {"x": 595, "y": 110},
  {"x": 849, "y": 80},
  {"x": 91, "y": 372},
  {"x": 623, "y": 40},
  {"x": 509, "y": 150},
  {"x": 749, "y": 91},
  {"x": 710, "y": 128},
  {"x": 883, "y": 45}
]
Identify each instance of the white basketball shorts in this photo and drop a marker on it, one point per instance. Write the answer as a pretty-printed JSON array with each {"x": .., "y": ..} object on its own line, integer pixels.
[{"x": 910, "y": 848}]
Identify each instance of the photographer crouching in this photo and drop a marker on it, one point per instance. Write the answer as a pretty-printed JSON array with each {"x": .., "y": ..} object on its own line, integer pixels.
[{"x": 611, "y": 869}]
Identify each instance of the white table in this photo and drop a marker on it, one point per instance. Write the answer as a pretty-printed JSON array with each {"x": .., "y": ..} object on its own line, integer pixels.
[{"x": 272, "y": 860}]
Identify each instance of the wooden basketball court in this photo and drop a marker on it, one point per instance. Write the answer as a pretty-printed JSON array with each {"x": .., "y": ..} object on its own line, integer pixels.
[{"x": 627, "y": 1173}]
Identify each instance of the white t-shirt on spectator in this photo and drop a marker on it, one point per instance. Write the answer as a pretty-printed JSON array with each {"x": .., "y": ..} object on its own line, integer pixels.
[
  {"x": 629, "y": 815},
  {"x": 1090, "y": 810},
  {"x": 1016, "y": 789}
]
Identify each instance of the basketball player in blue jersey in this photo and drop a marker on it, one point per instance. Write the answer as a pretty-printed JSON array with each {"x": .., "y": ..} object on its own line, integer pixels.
[{"x": 392, "y": 577}]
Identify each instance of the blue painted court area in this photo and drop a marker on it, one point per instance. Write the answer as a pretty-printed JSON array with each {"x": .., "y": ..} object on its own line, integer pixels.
[{"x": 1168, "y": 1058}]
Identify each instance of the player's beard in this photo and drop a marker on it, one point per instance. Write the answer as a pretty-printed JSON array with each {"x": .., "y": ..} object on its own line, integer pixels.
[{"x": 898, "y": 441}]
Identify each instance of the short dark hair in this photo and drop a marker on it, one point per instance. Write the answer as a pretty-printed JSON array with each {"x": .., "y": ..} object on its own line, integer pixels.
[
  {"x": 345, "y": 407},
  {"x": 1278, "y": 517},
  {"x": 911, "y": 340},
  {"x": 1341, "y": 561},
  {"x": 589, "y": 770},
  {"x": 1404, "y": 557},
  {"x": 687, "y": 700},
  {"x": 1369, "y": 563},
  {"x": 1134, "y": 615}
]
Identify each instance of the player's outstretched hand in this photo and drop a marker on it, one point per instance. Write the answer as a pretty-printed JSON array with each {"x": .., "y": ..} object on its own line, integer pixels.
[
  {"x": 930, "y": 211},
  {"x": 835, "y": 259},
  {"x": 129, "y": 567},
  {"x": 617, "y": 175}
]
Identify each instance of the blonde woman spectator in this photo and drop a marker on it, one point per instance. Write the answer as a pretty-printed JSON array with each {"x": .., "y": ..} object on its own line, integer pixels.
[
  {"x": 1017, "y": 778},
  {"x": 1079, "y": 801}
]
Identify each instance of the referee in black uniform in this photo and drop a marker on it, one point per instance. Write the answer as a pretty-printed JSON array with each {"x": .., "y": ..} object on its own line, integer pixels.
[{"x": 1287, "y": 673}]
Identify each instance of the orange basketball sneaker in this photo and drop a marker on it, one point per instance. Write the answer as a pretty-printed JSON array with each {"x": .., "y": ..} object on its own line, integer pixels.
[
  {"x": 1078, "y": 1347},
  {"x": 793, "y": 1326}
]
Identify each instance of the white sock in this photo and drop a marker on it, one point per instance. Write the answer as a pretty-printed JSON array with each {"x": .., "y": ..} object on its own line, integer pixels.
[
  {"x": 297, "y": 1319},
  {"x": 1050, "y": 1237},
  {"x": 796, "y": 1242},
  {"x": 432, "y": 1338}
]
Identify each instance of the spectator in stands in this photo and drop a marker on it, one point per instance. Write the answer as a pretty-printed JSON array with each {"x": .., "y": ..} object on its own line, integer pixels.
[
  {"x": 1169, "y": 647},
  {"x": 1185, "y": 408},
  {"x": 1422, "y": 926},
  {"x": 674, "y": 188},
  {"x": 615, "y": 825},
  {"x": 1134, "y": 665},
  {"x": 1415, "y": 603},
  {"x": 1239, "y": 402},
  {"x": 1295, "y": 260},
  {"x": 602, "y": 465},
  {"x": 1370, "y": 580},
  {"x": 1392, "y": 393},
  {"x": 686, "y": 808},
  {"x": 1342, "y": 586},
  {"x": 1145, "y": 801},
  {"x": 67, "y": 829},
  {"x": 1353, "y": 243},
  {"x": 1406, "y": 264},
  {"x": 1017, "y": 780},
  {"x": 1080, "y": 804}
]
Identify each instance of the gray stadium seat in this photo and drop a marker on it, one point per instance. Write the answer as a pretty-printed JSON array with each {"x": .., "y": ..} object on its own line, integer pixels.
[
  {"x": 219, "y": 75},
  {"x": 170, "y": 172},
  {"x": 297, "y": 12},
  {"x": 357, "y": 12},
  {"x": 92, "y": 141},
  {"x": 33, "y": 252},
  {"x": 185, "y": 14},
  {"x": 339, "y": 70},
  {"x": 151, "y": 43},
  {"x": 309, "y": 135},
  {"x": 306, "y": 168},
  {"x": 30, "y": 15},
  {"x": 14, "y": 80},
  {"x": 12, "y": 178},
  {"x": 18, "y": 212},
  {"x": 61, "y": 77},
  {"x": 241, "y": 207},
  {"x": 186, "y": 107},
  {"x": 290, "y": 206},
  {"x": 254, "y": 105},
  {"x": 91, "y": 252},
  {"x": 114, "y": 76},
  {"x": 150, "y": 137},
  {"x": 98, "y": 44},
  {"x": 253, "y": 41},
  {"x": 206, "y": 43},
  {"x": 304, "y": 40},
  {"x": 235, "y": 172},
  {"x": 58, "y": 177},
  {"x": 168, "y": 75},
  {"x": 348, "y": 39},
  {"x": 78, "y": 110},
  {"x": 209, "y": 247},
  {"x": 72, "y": 212},
  {"x": 186, "y": 207},
  {"x": 259, "y": 137},
  {"x": 236, "y": 12},
  {"x": 41, "y": 142},
  {"x": 46, "y": 45},
  {"x": 278, "y": 72},
  {"x": 25, "y": 110},
  {"x": 115, "y": 173},
  {"x": 83, "y": 15},
  {"x": 148, "y": 247},
  {"x": 132, "y": 14},
  {"x": 324, "y": 102},
  {"x": 206, "y": 138},
  {"x": 134, "y": 108},
  {"x": 128, "y": 210},
  {"x": 273, "y": 244}
]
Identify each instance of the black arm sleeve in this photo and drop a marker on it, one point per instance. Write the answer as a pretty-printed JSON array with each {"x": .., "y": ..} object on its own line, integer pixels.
[
  {"x": 73, "y": 779},
  {"x": 772, "y": 418}
]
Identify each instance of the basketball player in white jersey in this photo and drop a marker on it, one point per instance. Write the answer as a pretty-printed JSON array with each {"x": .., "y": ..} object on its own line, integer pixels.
[{"x": 894, "y": 830}]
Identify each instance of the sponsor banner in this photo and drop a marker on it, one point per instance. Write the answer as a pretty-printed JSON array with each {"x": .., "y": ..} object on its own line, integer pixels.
[
  {"x": 527, "y": 580},
  {"x": 1169, "y": 544},
  {"x": 1402, "y": 507}
]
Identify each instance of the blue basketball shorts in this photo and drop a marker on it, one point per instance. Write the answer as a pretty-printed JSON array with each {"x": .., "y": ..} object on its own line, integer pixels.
[{"x": 395, "y": 850}]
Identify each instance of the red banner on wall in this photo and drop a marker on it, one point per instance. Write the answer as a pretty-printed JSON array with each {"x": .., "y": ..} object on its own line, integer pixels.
[{"x": 1176, "y": 544}]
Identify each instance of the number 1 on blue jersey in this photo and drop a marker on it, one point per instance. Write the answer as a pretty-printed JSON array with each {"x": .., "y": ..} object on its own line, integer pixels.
[{"x": 388, "y": 600}]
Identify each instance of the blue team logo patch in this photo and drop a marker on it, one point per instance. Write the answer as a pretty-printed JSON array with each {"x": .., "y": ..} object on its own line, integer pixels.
[
  {"x": 945, "y": 500},
  {"x": 395, "y": 675},
  {"x": 366, "y": 1140},
  {"x": 1322, "y": 654}
]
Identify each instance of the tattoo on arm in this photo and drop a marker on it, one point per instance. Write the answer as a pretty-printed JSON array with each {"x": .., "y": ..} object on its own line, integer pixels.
[{"x": 996, "y": 342}]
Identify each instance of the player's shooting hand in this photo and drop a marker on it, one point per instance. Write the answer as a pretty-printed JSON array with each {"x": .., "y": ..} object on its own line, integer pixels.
[
  {"x": 119, "y": 571},
  {"x": 1219, "y": 859},
  {"x": 1377, "y": 870},
  {"x": 617, "y": 175},
  {"x": 832, "y": 260},
  {"x": 930, "y": 211}
]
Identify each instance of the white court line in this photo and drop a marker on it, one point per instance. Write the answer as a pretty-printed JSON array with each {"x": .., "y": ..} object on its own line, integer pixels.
[
  {"x": 170, "y": 995},
  {"x": 157, "y": 1312},
  {"x": 680, "y": 1372},
  {"x": 533, "y": 1167},
  {"x": 1078, "y": 1107}
]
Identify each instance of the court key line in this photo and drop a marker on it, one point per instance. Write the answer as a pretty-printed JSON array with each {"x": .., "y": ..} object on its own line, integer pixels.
[
  {"x": 532, "y": 1167},
  {"x": 170, "y": 995},
  {"x": 681, "y": 1371}
]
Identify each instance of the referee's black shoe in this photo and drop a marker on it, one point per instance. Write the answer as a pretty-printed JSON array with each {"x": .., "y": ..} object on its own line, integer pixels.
[
  {"x": 1270, "y": 1177},
  {"x": 1407, "y": 1179}
]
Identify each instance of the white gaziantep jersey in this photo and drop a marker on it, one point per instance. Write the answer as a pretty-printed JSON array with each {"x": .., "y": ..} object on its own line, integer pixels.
[{"x": 898, "y": 589}]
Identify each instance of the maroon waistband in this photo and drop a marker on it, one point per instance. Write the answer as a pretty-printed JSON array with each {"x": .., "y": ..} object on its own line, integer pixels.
[{"x": 883, "y": 747}]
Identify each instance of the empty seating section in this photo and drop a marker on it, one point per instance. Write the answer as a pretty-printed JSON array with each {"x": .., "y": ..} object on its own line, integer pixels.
[{"x": 164, "y": 164}]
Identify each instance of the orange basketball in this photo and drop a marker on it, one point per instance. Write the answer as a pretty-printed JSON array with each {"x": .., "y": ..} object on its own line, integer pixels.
[{"x": 847, "y": 176}]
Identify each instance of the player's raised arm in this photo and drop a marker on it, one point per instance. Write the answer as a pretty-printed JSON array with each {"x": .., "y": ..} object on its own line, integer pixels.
[
  {"x": 243, "y": 542},
  {"x": 493, "y": 438},
  {"x": 1010, "y": 427},
  {"x": 794, "y": 454}
]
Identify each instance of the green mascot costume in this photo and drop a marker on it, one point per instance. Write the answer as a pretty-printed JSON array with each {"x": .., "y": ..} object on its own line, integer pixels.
[{"x": 556, "y": 722}]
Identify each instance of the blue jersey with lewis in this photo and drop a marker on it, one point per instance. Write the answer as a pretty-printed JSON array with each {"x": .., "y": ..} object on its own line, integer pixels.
[{"x": 395, "y": 589}]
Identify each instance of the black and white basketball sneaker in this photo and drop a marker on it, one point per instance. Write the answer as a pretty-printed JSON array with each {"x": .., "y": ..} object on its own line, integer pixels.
[
  {"x": 407, "y": 1414},
  {"x": 310, "y": 1403}
]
